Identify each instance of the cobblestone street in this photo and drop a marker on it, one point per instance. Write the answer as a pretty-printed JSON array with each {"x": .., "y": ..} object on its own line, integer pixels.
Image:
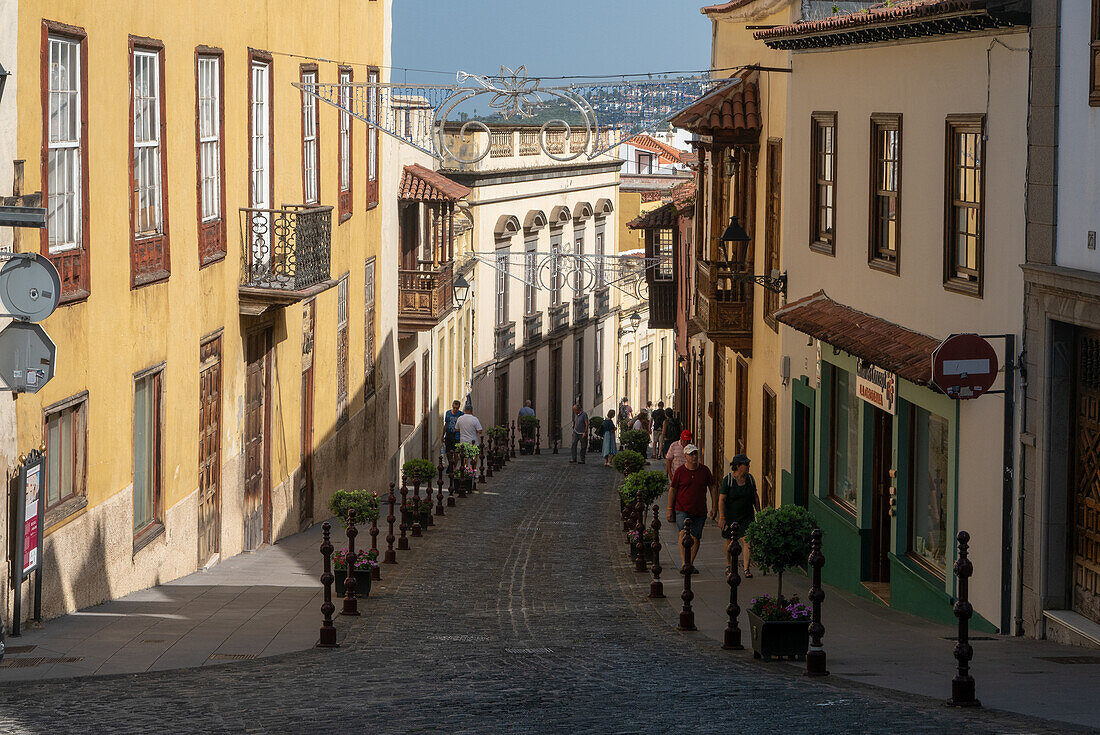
[{"x": 516, "y": 613}]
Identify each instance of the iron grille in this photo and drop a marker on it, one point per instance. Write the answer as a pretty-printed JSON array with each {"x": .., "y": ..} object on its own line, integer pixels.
[{"x": 287, "y": 249}]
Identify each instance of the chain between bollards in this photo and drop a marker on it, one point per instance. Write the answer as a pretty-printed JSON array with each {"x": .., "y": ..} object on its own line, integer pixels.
[
  {"x": 731, "y": 640},
  {"x": 391, "y": 555},
  {"x": 403, "y": 542},
  {"x": 351, "y": 604},
  {"x": 328, "y": 630},
  {"x": 656, "y": 587},
  {"x": 687, "y": 615},
  {"x": 962, "y": 686},
  {"x": 815, "y": 657}
]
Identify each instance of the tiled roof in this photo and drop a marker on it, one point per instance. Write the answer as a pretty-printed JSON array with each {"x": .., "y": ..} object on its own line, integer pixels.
[
  {"x": 966, "y": 15},
  {"x": 734, "y": 5},
  {"x": 666, "y": 153},
  {"x": 887, "y": 345},
  {"x": 661, "y": 217},
  {"x": 683, "y": 195},
  {"x": 733, "y": 108},
  {"x": 419, "y": 184}
]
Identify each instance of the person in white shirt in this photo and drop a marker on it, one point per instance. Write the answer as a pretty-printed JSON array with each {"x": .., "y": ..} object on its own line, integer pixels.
[{"x": 469, "y": 428}]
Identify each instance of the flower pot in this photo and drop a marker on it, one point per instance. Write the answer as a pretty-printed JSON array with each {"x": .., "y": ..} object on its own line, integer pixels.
[
  {"x": 425, "y": 519},
  {"x": 779, "y": 638},
  {"x": 464, "y": 485},
  {"x": 362, "y": 582}
]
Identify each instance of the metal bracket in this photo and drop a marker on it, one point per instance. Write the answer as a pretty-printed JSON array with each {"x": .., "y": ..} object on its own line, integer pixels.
[{"x": 776, "y": 284}]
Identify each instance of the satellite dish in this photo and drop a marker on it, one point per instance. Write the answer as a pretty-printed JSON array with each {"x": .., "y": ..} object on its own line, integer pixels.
[
  {"x": 27, "y": 357},
  {"x": 29, "y": 287}
]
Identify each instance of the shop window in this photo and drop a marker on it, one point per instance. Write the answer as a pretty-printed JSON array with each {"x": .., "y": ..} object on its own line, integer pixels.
[
  {"x": 928, "y": 489},
  {"x": 843, "y": 439}
]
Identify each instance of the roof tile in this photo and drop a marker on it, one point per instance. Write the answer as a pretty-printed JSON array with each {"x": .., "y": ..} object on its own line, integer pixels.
[
  {"x": 420, "y": 184},
  {"x": 732, "y": 108}
]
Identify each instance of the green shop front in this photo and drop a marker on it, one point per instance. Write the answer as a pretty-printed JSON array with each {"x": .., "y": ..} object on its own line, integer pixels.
[{"x": 874, "y": 458}]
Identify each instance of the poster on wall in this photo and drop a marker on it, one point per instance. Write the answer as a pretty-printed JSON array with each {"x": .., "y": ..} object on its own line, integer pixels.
[
  {"x": 877, "y": 386},
  {"x": 32, "y": 487}
]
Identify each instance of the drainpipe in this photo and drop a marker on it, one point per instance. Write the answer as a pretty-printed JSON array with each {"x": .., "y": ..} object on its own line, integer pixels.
[{"x": 1018, "y": 628}]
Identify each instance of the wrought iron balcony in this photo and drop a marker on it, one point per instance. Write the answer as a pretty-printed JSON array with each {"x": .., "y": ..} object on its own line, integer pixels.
[
  {"x": 286, "y": 255},
  {"x": 559, "y": 318},
  {"x": 424, "y": 297},
  {"x": 603, "y": 300},
  {"x": 532, "y": 328},
  {"x": 723, "y": 305},
  {"x": 504, "y": 339},
  {"x": 580, "y": 309}
]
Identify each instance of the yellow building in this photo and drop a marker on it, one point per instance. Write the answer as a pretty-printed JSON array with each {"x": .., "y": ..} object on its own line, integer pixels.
[{"x": 216, "y": 232}]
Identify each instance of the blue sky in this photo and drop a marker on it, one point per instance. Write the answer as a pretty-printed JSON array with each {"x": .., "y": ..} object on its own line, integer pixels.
[{"x": 551, "y": 37}]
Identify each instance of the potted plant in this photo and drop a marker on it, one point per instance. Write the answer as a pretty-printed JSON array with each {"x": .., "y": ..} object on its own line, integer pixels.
[
  {"x": 365, "y": 503},
  {"x": 637, "y": 441},
  {"x": 527, "y": 427},
  {"x": 644, "y": 486},
  {"x": 361, "y": 566},
  {"x": 419, "y": 470},
  {"x": 425, "y": 512},
  {"x": 645, "y": 538},
  {"x": 627, "y": 462},
  {"x": 466, "y": 467},
  {"x": 779, "y": 539}
]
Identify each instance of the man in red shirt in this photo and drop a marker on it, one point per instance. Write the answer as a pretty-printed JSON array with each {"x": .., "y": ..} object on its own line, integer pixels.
[{"x": 687, "y": 502}]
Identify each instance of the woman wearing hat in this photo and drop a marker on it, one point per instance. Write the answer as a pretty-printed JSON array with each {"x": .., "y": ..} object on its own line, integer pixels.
[{"x": 738, "y": 504}]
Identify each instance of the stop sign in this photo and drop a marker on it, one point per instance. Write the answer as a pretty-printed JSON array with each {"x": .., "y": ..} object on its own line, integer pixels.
[{"x": 964, "y": 366}]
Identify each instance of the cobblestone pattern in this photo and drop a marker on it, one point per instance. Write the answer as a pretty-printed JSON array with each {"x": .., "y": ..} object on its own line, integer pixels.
[{"x": 518, "y": 613}]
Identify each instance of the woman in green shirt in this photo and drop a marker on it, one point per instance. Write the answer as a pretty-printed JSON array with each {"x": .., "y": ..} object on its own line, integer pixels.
[{"x": 738, "y": 504}]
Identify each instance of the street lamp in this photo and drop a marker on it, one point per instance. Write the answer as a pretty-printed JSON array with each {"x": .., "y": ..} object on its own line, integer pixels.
[
  {"x": 461, "y": 291},
  {"x": 630, "y": 325},
  {"x": 735, "y": 233}
]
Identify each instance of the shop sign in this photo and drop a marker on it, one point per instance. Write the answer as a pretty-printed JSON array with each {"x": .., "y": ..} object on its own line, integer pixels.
[
  {"x": 877, "y": 386},
  {"x": 30, "y": 518}
]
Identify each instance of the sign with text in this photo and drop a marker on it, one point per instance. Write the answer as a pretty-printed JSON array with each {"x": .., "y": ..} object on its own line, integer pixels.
[
  {"x": 30, "y": 518},
  {"x": 964, "y": 366},
  {"x": 877, "y": 386}
]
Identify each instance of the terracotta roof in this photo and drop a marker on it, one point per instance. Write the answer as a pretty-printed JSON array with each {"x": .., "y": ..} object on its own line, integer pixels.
[
  {"x": 666, "y": 153},
  {"x": 683, "y": 195},
  {"x": 887, "y": 345},
  {"x": 734, "y": 5},
  {"x": 733, "y": 108},
  {"x": 661, "y": 217},
  {"x": 967, "y": 15},
  {"x": 419, "y": 184}
]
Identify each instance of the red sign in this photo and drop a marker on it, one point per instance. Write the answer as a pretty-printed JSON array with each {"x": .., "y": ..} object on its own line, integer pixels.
[{"x": 964, "y": 366}]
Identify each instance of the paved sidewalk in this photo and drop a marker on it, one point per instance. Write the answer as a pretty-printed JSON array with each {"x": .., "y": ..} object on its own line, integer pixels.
[
  {"x": 867, "y": 642},
  {"x": 248, "y": 606}
]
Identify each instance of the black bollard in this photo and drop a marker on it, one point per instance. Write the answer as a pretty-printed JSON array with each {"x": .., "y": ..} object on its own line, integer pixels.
[
  {"x": 815, "y": 657},
  {"x": 376, "y": 570},
  {"x": 481, "y": 462},
  {"x": 640, "y": 560},
  {"x": 328, "y": 630},
  {"x": 513, "y": 438},
  {"x": 351, "y": 604},
  {"x": 403, "y": 542},
  {"x": 391, "y": 555},
  {"x": 687, "y": 615},
  {"x": 538, "y": 439},
  {"x": 417, "y": 529},
  {"x": 490, "y": 461},
  {"x": 656, "y": 587},
  {"x": 452, "y": 458},
  {"x": 962, "y": 686},
  {"x": 731, "y": 641}
]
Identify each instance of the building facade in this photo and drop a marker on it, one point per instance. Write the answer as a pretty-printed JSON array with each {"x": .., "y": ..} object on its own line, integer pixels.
[
  {"x": 890, "y": 467},
  {"x": 218, "y": 232}
]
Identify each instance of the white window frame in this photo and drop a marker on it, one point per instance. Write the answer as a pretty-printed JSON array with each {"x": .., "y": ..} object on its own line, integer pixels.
[
  {"x": 578, "y": 249},
  {"x": 502, "y": 285},
  {"x": 530, "y": 268},
  {"x": 147, "y": 145},
  {"x": 209, "y": 92},
  {"x": 600, "y": 277},
  {"x": 345, "y": 131},
  {"x": 64, "y": 165},
  {"x": 310, "y": 183},
  {"x": 372, "y": 134}
]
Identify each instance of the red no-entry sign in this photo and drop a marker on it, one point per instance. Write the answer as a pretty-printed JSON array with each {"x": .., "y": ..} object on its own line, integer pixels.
[{"x": 964, "y": 366}]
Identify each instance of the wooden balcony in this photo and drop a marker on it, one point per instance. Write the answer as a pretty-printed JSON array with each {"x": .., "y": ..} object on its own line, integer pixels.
[
  {"x": 424, "y": 297},
  {"x": 559, "y": 318},
  {"x": 532, "y": 328},
  {"x": 286, "y": 256},
  {"x": 504, "y": 339},
  {"x": 723, "y": 306},
  {"x": 580, "y": 309},
  {"x": 662, "y": 305}
]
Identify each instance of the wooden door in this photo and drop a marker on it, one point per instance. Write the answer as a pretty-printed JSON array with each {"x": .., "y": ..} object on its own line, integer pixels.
[
  {"x": 882, "y": 454},
  {"x": 719, "y": 410},
  {"x": 305, "y": 481},
  {"x": 802, "y": 454},
  {"x": 210, "y": 424},
  {"x": 555, "y": 394},
  {"x": 257, "y": 497},
  {"x": 529, "y": 382},
  {"x": 643, "y": 385},
  {"x": 1085, "y": 501},
  {"x": 768, "y": 450}
]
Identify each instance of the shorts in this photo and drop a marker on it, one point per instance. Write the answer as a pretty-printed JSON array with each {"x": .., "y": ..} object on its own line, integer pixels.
[
  {"x": 450, "y": 441},
  {"x": 697, "y": 522}
]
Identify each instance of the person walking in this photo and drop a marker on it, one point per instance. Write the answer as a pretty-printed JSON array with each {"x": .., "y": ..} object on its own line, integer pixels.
[
  {"x": 609, "y": 448},
  {"x": 625, "y": 411},
  {"x": 657, "y": 419},
  {"x": 677, "y": 453},
  {"x": 738, "y": 503},
  {"x": 526, "y": 410},
  {"x": 641, "y": 423},
  {"x": 687, "y": 502},
  {"x": 580, "y": 434},
  {"x": 450, "y": 428},
  {"x": 469, "y": 428},
  {"x": 670, "y": 430}
]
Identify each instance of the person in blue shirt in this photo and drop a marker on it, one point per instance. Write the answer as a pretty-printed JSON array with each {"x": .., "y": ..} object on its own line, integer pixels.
[
  {"x": 450, "y": 427},
  {"x": 527, "y": 410}
]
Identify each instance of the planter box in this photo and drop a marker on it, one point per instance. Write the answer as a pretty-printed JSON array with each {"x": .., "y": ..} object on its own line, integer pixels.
[
  {"x": 362, "y": 582},
  {"x": 464, "y": 484},
  {"x": 779, "y": 639}
]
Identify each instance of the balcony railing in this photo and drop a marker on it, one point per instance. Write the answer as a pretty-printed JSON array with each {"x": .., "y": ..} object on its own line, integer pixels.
[
  {"x": 504, "y": 341},
  {"x": 532, "y": 328},
  {"x": 424, "y": 297},
  {"x": 723, "y": 305},
  {"x": 559, "y": 318},
  {"x": 286, "y": 255},
  {"x": 603, "y": 301},
  {"x": 580, "y": 309}
]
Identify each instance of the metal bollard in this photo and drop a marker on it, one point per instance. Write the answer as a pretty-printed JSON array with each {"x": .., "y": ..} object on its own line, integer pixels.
[
  {"x": 815, "y": 657},
  {"x": 417, "y": 529},
  {"x": 351, "y": 605},
  {"x": 513, "y": 438},
  {"x": 641, "y": 565},
  {"x": 439, "y": 493},
  {"x": 962, "y": 686},
  {"x": 328, "y": 630},
  {"x": 481, "y": 462},
  {"x": 687, "y": 615},
  {"x": 489, "y": 461},
  {"x": 376, "y": 571},
  {"x": 731, "y": 640},
  {"x": 452, "y": 460},
  {"x": 656, "y": 587},
  {"x": 391, "y": 555},
  {"x": 403, "y": 542},
  {"x": 538, "y": 439}
]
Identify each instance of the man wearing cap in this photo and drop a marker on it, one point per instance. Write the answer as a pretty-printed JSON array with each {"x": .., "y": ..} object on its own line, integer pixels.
[
  {"x": 738, "y": 503},
  {"x": 687, "y": 502},
  {"x": 674, "y": 457}
]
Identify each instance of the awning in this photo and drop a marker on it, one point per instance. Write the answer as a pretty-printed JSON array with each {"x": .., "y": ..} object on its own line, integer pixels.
[
  {"x": 732, "y": 109},
  {"x": 420, "y": 184},
  {"x": 887, "y": 345}
]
